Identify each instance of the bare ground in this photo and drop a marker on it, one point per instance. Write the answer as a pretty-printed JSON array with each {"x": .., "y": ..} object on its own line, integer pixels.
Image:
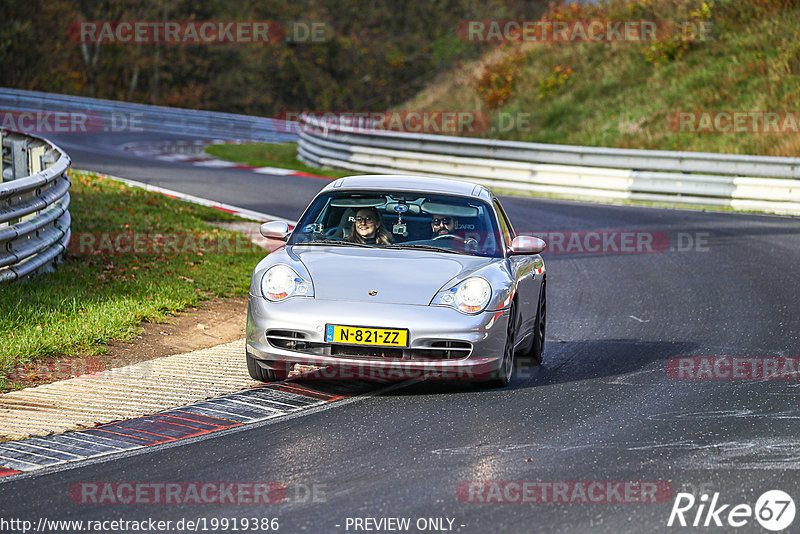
[{"x": 212, "y": 323}]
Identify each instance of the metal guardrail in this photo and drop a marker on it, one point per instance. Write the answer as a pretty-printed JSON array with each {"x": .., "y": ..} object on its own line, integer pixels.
[
  {"x": 742, "y": 182},
  {"x": 34, "y": 202},
  {"x": 34, "y": 186},
  {"x": 112, "y": 116}
]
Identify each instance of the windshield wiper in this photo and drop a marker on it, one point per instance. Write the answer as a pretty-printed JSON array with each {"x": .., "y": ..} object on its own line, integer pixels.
[
  {"x": 333, "y": 242},
  {"x": 427, "y": 247}
]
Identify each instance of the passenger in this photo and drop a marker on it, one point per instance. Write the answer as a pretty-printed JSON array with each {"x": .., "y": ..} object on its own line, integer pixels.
[
  {"x": 368, "y": 228},
  {"x": 443, "y": 225}
]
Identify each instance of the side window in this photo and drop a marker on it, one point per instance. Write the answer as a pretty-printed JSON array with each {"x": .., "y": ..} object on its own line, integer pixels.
[{"x": 505, "y": 225}]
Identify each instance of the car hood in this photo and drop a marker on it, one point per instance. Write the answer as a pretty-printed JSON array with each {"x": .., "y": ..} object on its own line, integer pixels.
[{"x": 396, "y": 276}]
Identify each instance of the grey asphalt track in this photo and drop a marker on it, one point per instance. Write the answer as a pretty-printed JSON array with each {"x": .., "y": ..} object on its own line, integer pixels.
[
  {"x": 284, "y": 196},
  {"x": 602, "y": 407}
]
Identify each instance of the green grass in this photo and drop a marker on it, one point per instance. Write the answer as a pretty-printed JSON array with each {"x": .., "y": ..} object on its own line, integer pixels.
[
  {"x": 97, "y": 295},
  {"x": 282, "y": 155},
  {"x": 618, "y": 96}
]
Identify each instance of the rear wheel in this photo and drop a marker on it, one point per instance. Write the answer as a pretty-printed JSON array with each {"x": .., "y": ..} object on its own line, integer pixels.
[
  {"x": 507, "y": 368},
  {"x": 536, "y": 353},
  {"x": 261, "y": 374}
]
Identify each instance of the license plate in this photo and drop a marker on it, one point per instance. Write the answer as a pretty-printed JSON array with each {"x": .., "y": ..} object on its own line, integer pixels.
[{"x": 361, "y": 335}]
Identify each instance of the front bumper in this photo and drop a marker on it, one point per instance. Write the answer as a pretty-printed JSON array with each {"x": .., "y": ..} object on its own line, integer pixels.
[{"x": 427, "y": 325}]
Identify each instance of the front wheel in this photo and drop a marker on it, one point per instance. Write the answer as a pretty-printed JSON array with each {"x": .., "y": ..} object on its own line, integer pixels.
[
  {"x": 261, "y": 374},
  {"x": 536, "y": 353},
  {"x": 507, "y": 368}
]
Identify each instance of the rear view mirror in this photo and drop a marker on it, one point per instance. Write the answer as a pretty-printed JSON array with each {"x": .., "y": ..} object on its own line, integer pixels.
[
  {"x": 526, "y": 244},
  {"x": 275, "y": 229}
]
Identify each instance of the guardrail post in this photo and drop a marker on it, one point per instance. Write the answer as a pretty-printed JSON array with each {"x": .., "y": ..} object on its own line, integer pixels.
[
  {"x": 35, "y": 155},
  {"x": 2, "y": 164},
  {"x": 19, "y": 160},
  {"x": 19, "y": 166}
]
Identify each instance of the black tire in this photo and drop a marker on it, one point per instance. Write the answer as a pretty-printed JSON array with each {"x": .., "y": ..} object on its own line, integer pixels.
[
  {"x": 259, "y": 373},
  {"x": 506, "y": 371},
  {"x": 535, "y": 354}
]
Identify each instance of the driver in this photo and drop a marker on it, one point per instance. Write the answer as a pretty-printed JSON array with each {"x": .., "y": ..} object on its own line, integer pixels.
[
  {"x": 446, "y": 225},
  {"x": 443, "y": 225}
]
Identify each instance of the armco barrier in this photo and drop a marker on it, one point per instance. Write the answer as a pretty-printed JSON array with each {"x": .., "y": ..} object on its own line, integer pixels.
[
  {"x": 760, "y": 183},
  {"x": 34, "y": 202},
  {"x": 109, "y": 116}
]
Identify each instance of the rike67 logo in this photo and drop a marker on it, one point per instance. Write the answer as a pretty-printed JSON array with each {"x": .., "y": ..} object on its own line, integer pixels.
[{"x": 774, "y": 510}]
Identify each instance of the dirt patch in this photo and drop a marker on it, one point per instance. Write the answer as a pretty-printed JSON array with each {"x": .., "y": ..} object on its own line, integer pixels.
[{"x": 213, "y": 322}]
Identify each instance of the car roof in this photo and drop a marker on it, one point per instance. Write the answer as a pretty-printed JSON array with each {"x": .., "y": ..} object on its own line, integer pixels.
[{"x": 402, "y": 182}]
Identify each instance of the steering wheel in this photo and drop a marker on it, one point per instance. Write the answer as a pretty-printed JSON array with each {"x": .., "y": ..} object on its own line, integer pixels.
[{"x": 448, "y": 236}]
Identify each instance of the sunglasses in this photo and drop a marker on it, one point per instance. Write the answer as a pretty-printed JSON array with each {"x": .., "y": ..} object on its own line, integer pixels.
[
  {"x": 365, "y": 219},
  {"x": 443, "y": 220}
]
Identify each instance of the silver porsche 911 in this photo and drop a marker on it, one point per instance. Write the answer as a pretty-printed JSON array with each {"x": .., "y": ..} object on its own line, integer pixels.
[{"x": 398, "y": 277}]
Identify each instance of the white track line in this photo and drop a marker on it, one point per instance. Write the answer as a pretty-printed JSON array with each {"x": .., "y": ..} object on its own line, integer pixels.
[{"x": 235, "y": 210}]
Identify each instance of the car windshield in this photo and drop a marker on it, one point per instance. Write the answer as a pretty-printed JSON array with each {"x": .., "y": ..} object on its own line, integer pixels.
[{"x": 400, "y": 219}]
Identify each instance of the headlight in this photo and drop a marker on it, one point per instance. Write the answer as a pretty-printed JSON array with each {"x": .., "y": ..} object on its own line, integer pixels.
[
  {"x": 281, "y": 282},
  {"x": 469, "y": 296}
]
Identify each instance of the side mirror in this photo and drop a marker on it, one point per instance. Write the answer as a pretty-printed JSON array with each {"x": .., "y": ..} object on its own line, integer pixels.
[
  {"x": 526, "y": 244},
  {"x": 275, "y": 230}
]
